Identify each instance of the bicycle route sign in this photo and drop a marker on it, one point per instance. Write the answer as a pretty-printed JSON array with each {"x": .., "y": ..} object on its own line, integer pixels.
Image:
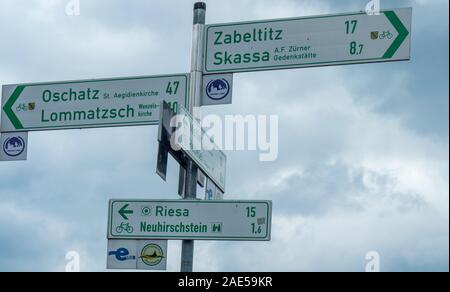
[
  {"x": 190, "y": 220},
  {"x": 90, "y": 103},
  {"x": 324, "y": 40}
]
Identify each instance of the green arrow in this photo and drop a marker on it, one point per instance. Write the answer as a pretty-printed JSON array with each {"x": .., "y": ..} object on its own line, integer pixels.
[
  {"x": 402, "y": 34},
  {"x": 9, "y": 104},
  {"x": 123, "y": 212}
]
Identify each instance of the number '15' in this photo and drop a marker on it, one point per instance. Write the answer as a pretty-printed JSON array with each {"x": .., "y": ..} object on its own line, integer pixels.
[{"x": 251, "y": 212}]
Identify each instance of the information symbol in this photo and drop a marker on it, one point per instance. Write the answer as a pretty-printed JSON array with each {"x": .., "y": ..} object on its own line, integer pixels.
[{"x": 146, "y": 211}]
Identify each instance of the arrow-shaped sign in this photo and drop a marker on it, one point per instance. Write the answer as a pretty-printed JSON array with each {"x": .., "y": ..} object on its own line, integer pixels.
[
  {"x": 124, "y": 212},
  {"x": 312, "y": 41},
  {"x": 8, "y": 107},
  {"x": 90, "y": 103},
  {"x": 402, "y": 34},
  {"x": 192, "y": 220}
]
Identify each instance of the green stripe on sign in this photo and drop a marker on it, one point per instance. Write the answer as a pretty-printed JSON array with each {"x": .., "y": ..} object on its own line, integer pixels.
[
  {"x": 8, "y": 107},
  {"x": 402, "y": 34}
]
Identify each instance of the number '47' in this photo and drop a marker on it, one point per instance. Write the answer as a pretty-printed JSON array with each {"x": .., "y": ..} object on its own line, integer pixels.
[{"x": 172, "y": 87}]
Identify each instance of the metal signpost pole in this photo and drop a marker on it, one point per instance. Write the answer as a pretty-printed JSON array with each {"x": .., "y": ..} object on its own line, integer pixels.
[{"x": 187, "y": 253}]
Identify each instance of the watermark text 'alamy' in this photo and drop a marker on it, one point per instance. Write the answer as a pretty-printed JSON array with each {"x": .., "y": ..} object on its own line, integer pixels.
[{"x": 229, "y": 133}]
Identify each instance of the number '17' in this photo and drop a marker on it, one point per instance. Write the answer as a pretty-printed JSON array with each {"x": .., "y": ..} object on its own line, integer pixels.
[{"x": 351, "y": 26}]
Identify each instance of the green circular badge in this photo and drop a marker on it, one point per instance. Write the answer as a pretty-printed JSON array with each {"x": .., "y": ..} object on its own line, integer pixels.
[{"x": 152, "y": 254}]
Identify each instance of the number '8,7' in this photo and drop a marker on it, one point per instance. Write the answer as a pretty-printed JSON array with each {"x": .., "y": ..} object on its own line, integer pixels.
[{"x": 356, "y": 49}]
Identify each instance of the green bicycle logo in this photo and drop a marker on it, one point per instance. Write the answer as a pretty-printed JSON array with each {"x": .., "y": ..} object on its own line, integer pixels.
[
  {"x": 26, "y": 107},
  {"x": 386, "y": 35},
  {"x": 22, "y": 107},
  {"x": 124, "y": 227}
]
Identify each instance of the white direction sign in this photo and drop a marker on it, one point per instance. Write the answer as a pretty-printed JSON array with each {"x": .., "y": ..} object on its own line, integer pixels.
[
  {"x": 190, "y": 220},
  {"x": 308, "y": 41},
  {"x": 201, "y": 148},
  {"x": 90, "y": 103}
]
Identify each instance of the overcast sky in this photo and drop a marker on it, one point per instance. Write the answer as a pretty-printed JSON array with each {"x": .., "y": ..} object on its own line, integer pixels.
[{"x": 364, "y": 150}]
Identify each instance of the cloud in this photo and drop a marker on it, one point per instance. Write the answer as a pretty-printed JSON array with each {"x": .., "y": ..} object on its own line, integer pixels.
[
  {"x": 30, "y": 239},
  {"x": 340, "y": 242},
  {"x": 320, "y": 189}
]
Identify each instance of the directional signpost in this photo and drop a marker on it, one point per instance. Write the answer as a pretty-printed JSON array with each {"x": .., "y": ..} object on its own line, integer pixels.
[
  {"x": 184, "y": 220},
  {"x": 308, "y": 42},
  {"x": 90, "y": 103},
  {"x": 218, "y": 50}
]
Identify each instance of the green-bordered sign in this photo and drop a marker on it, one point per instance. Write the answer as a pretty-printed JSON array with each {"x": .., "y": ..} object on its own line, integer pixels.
[
  {"x": 190, "y": 220},
  {"x": 90, "y": 103},
  {"x": 308, "y": 41},
  {"x": 201, "y": 148}
]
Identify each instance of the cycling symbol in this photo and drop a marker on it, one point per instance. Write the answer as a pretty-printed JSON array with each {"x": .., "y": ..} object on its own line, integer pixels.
[
  {"x": 124, "y": 227},
  {"x": 386, "y": 35}
]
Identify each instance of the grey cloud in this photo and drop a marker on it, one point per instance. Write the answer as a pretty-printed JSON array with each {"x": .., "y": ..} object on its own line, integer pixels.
[{"x": 320, "y": 189}]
